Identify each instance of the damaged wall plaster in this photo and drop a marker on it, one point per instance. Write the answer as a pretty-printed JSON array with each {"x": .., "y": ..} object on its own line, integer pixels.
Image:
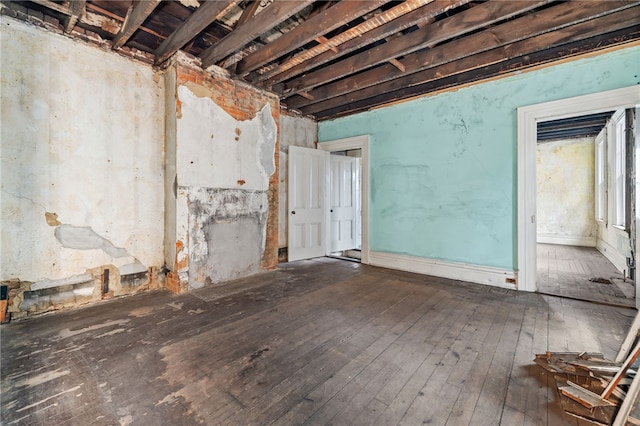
[
  {"x": 225, "y": 159},
  {"x": 296, "y": 131},
  {"x": 227, "y": 231},
  {"x": 81, "y": 163},
  {"x": 85, "y": 238},
  {"x": 216, "y": 150},
  {"x": 565, "y": 192}
]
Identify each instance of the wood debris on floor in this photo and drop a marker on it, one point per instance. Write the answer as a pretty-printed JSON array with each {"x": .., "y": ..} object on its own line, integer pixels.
[{"x": 594, "y": 389}]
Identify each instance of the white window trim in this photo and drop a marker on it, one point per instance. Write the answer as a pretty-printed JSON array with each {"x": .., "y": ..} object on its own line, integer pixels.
[
  {"x": 619, "y": 169},
  {"x": 601, "y": 170}
]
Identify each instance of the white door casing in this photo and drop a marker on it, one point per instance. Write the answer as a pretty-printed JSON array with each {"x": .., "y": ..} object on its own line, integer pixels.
[
  {"x": 528, "y": 118},
  {"x": 307, "y": 221},
  {"x": 342, "y": 205},
  {"x": 362, "y": 143}
]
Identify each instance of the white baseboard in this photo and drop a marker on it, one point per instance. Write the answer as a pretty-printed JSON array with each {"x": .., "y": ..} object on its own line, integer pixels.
[
  {"x": 457, "y": 271},
  {"x": 614, "y": 256},
  {"x": 567, "y": 240}
]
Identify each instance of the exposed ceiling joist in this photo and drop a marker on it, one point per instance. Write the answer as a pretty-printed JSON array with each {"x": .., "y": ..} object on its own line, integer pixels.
[
  {"x": 465, "y": 49},
  {"x": 76, "y": 8},
  {"x": 138, "y": 13},
  {"x": 314, "y": 27},
  {"x": 249, "y": 11},
  {"x": 274, "y": 14},
  {"x": 54, "y": 6},
  {"x": 601, "y": 41},
  {"x": 465, "y": 22},
  {"x": 583, "y": 31},
  {"x": 208, "y": 12},
  {"x": 584, "y": 126},
  {"x": 305, "y": 62},
  {"x": 334, "y": 58}
]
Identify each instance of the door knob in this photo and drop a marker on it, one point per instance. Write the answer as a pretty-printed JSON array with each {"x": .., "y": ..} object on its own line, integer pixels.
[
  {"x": 293, "y": 212},
  {"x": 331, "y": 211}
]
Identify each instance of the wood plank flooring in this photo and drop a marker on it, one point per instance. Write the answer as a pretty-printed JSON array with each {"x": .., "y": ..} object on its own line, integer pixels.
[
  {"x": 315, "y": 342},
  {"x": 567, "y": 271}
]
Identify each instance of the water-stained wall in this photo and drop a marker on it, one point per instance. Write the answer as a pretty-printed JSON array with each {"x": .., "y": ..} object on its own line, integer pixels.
[
  {"x": 81, "y": 170},
  {"x": 226, "y": 177},
  {"x": 565, "y": 198},
  {"x": 443, "y": 167}
]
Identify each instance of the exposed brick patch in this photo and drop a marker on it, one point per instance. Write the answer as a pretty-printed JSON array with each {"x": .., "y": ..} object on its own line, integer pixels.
[{"x": 173, "y": 283}]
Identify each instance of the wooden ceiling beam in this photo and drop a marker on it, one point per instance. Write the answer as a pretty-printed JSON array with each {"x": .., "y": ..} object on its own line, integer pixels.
[
  {"x": 76, "y": 8},
  {"x": 539, "y": 58},
  {"x": 324, "y": 40},
  {"x": 274, "y": 14},
  {"x": 556, "y": 17},
  {"x": 462, "y": 23},
  {"x": 308, "y": 60},
  {"x": 621, "y": 20},
  {"x": 54, "y": 6},
  {"x": 396, "y": 63},
  {"x": 314, "y": 27},
  {"x": 249, "y": 10},
  {"x": 200, "y": 19},
  {"x": 137, "y": 14}
]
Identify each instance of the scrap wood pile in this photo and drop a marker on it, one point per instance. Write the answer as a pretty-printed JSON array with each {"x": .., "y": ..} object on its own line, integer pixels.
[{"x": 597, "y": 390}]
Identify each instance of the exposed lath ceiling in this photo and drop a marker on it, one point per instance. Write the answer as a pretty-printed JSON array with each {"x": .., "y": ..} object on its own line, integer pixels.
[
  {"x": 333, "y": 58},
  {"x": 575, "y": 127}
]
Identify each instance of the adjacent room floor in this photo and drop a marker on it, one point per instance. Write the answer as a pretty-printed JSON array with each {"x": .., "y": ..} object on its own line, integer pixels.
[
  {"x": 315, "y": 342},
  {"x": 582, "y": 273}
]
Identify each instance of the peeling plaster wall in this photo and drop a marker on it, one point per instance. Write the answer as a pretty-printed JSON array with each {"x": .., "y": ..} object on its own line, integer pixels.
[
  {"x": 565, "y": 192},
  {"x": 226, "y": 167},
  {"x": 296, "y": 131},
  {"x": 81, "y": 162},
  {"x": 443, "y": 175}
]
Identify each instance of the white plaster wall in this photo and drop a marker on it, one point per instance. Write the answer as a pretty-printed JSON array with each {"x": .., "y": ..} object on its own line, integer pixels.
[
  {"x": 82, "y": 137},
  {"x": 214, "y": 150},
  {"x": 565, "y": 197},
  {"x": 296, "y": 131}
]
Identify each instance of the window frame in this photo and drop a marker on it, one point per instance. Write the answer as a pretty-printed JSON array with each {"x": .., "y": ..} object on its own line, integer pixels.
[
  {"x": 619, "y": 170},
  {"x": 600, "y": 176}
]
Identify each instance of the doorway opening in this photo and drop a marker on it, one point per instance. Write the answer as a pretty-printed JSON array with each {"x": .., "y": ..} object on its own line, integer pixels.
[
  {"x": 580, "y": 254},
  {"x": 345, "y": 205},
  {"x": 322, "y": 221},
  {"x": 528, "y": 119},
  {"x": 356, "y": 147}
]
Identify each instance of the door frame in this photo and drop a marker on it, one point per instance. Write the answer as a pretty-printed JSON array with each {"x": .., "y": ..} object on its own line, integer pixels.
[
  {"x": 528, "y": 118},
  {"x": 356, "y": 142}
]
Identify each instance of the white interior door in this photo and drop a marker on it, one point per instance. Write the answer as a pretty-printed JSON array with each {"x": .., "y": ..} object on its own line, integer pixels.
[
  {"x": 343, "y": 203},
  {"x": 307, "y": 177}
]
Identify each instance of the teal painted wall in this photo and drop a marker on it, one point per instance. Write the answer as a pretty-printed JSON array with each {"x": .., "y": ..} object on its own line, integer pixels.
[{"x": 444, "y": 167}]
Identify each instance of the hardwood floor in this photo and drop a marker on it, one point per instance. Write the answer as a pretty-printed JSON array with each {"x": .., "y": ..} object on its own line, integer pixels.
[
  {"x": 569, "y": 271},
  {"x": 315, "y": 342}
]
